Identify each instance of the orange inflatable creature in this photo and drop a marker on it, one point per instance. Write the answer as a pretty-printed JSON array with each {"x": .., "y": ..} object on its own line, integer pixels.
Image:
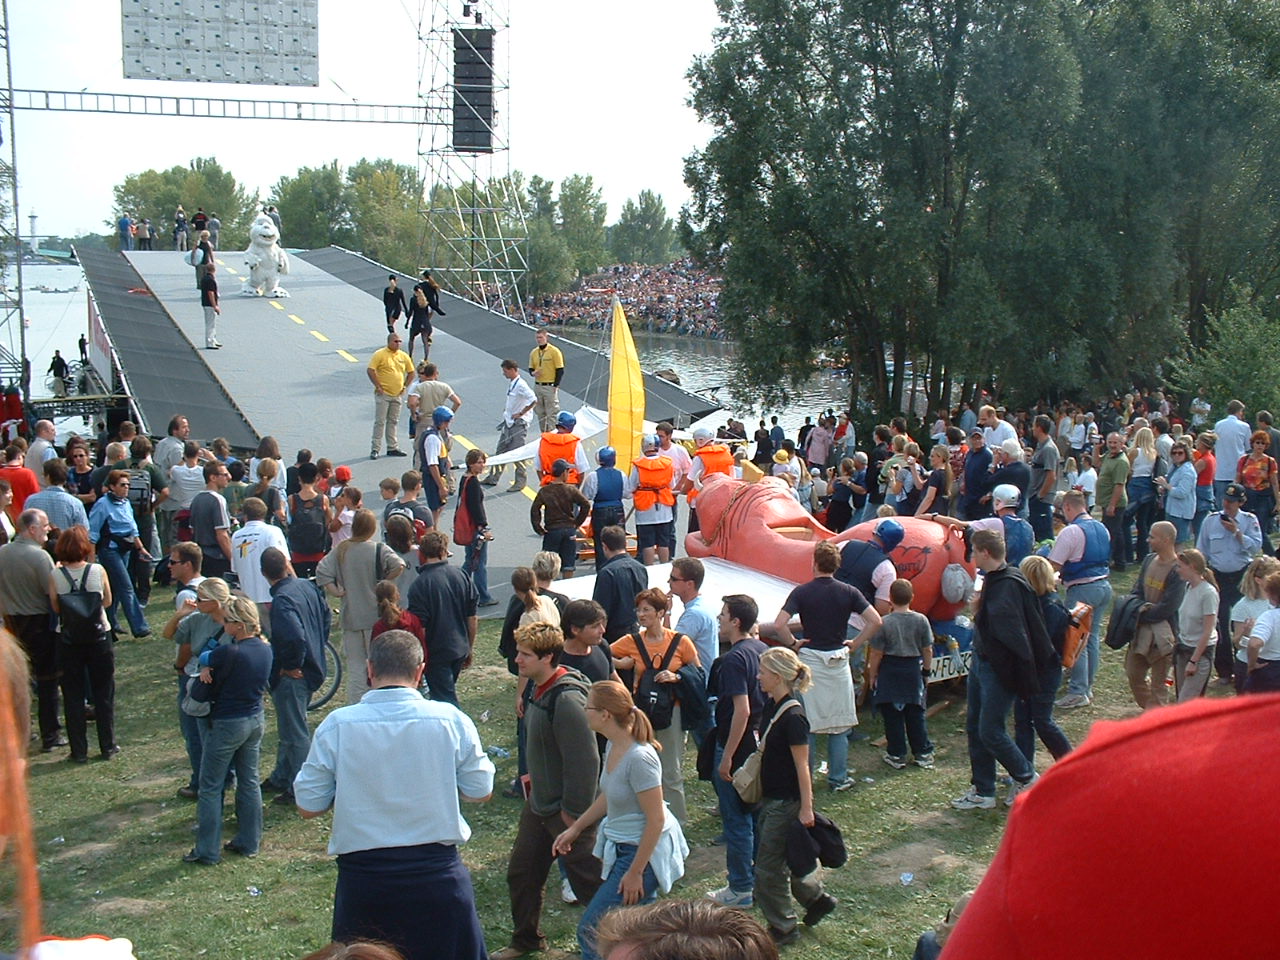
[{"x": 761, "y": 525}]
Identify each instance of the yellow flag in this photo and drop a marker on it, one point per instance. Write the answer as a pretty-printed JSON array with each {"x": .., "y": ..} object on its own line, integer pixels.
[{"x": 626, "y": 391}]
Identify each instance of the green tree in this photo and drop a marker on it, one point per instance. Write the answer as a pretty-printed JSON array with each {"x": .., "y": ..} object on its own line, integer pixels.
[
  {"x": 582, "y": 216},
  {"x": 551, "y": 267},
  {"x": 315, "y": 205},
  {"x": 384, "y": 199},
  {"x": 542, "y": 199},
  {"x": 1236, "y": 359},
  {"x": 156, "y": 194},
  {"x": 644, "y": 233}
]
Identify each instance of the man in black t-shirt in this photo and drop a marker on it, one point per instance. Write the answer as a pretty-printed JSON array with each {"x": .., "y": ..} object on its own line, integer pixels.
[
  {"x": 209, "y": 301},
  {"x": 824, "y": 606},
  {"x": 734, "y": 682}
]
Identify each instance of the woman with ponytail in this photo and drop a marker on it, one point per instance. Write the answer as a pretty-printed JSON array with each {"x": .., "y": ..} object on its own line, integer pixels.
[
  {"x": 640, "y": 843},
  {"x": 788, "y": 797}
]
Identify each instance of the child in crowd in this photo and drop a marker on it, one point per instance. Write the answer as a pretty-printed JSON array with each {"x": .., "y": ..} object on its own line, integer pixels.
[
  {"x": 324, "y": 479},
  {"x": 392, "y": 617},
  {"x": 341, "y": 477},
  {"x": 345, "y": 505},
  {"x": 389, "y": 488},
  {"x": 236, "y": 491},
  {"x": 901, "y": 654}
]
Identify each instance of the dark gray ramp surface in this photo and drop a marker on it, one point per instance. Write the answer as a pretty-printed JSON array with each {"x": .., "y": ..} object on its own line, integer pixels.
[
  {"x": 164, "y": 372},
  {"x": 311, "y": 392},
  {"x": 586, "y": 372}
]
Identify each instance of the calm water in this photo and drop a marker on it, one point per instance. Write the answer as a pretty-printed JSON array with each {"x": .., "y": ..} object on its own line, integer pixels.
[{"x": 702, "y": 366}]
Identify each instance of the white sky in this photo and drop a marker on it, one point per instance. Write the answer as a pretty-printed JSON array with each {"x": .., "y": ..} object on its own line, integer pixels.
[{"x": 597, "y": 87}]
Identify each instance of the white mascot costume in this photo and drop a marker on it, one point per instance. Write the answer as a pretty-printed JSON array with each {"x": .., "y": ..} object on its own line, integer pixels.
[{"x": 265, "y": 259}]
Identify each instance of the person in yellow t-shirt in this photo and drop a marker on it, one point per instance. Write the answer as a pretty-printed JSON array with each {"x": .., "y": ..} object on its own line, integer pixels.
[
  {"x": 390, "y": 371},
  {"x": 546, "y": 363}
]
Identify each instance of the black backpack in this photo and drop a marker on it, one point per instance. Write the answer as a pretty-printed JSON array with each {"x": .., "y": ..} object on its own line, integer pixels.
[
  {"x": 308, "y": 531},
  {"x": 140, "y": 490},
  {"x": 657, "y": 700},
  {"x": 80, "y": 611}
]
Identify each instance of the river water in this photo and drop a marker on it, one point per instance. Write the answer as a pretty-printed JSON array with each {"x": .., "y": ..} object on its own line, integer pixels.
[{"x": 703, "y": 367}]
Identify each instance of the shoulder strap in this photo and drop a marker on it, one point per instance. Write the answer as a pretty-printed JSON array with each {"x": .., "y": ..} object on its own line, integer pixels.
[
  {"x": 643, "y": 651},
  {"x": 71, "y": 583},
  {"x": 772, "y": 721},
  {"x": 671, "y": 652}
]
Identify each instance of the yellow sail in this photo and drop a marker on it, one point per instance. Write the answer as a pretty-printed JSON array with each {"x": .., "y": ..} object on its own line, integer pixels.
[{"x": 626, "y": 391}]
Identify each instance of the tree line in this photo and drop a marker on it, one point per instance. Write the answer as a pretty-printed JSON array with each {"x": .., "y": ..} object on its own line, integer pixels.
[
  {"x": 1046, "y": 197},
  {"x": 376, "y": 207}
]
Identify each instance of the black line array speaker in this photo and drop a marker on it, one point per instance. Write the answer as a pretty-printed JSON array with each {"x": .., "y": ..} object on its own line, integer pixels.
[{"x": 473, "y": 90}]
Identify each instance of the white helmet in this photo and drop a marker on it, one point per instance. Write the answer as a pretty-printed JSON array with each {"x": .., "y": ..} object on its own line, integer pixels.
[
  {"x": 1005, "y": 495},
  {"x": 703, "y": 435}
]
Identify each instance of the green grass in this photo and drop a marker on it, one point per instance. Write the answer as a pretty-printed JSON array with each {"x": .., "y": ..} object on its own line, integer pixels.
[{"x": 111, "y": 835}]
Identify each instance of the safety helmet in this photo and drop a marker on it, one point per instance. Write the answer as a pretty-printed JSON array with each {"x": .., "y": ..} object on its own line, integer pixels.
[
  {"x": 890, "y": 533},
  {"x": 1005, "y": 495},
  {"x": 441, "y": 415},
  {"x": 702, "y": 435},
  {"x": 606, "y": 456},
  {"x": 566, "y": 420},
  {"x": 650, "y": 441}
]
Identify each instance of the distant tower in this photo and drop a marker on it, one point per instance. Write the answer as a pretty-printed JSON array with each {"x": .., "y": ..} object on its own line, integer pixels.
[
  {"x": 31, "y": 234},
  {"x": 475, "y": 227}
]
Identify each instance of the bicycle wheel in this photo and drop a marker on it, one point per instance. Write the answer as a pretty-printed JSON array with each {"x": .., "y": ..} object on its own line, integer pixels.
[{"x": 332, "y": 677}]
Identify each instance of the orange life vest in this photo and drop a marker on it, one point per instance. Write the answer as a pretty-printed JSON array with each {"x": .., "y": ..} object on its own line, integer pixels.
[
  {"x": 558, "y": 446},
  {"x": 715, "y": 458},
  {"x": 655, "y": 482}
]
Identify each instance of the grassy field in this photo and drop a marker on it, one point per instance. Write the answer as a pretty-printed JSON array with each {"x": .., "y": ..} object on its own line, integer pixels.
[{"x": 111, "y": 835}]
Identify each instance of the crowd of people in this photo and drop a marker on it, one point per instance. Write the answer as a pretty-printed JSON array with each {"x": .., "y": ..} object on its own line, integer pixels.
[
  {"x": 679, "y": 298},
  {"x": 609, "y": 691}
]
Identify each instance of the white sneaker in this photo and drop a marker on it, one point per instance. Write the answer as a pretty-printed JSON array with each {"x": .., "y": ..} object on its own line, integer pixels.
[
  {"x": 1071, "y": 701},
  {"x": 973, "y": 800},
  {"x": 1017, "y": 788},
  {"x": 728, "y": 897},
  {"x": 822, "y": 769},
  {"x": 566, "y": 891}
]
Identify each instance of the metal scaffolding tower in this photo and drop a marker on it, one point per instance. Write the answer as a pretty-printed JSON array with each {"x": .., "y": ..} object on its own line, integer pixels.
[
  {"x": 475, "y": 231},
  {"x": 13, "y": 336}
]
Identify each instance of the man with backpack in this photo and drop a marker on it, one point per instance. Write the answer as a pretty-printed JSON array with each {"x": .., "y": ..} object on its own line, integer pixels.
[
  {"x": 300, "y": 622},
  {"x": 148, "y": 488},
  {"x": 564, "y": 767},
  {"x": 309, "y": 516}
]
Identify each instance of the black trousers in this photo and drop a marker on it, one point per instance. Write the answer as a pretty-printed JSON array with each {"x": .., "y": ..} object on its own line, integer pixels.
[
  {"x": 98, "y": 660},
  {"x": 1228, "y": 594},
  {"x": 36, "y": 637}
]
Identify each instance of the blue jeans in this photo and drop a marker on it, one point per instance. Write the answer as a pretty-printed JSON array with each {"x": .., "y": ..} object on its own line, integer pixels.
[
  {"x": 1204, "y": 506},
  {"x": 608, "y": 897},
  {"x": 985, "y": 725},
  {"x": 476, "y": 565},
  {"x": 1139, "y": 514},
  {"x": 191, "y": 736},
  {"x": 1041, "y": 517},
  {"x": 739, "y": 831},
  {"x": 1035, "y": 716},
  {"x": 117, "y": 566},
  {"x": 290, "y": 698},
  {"x": 1098, "y": 595},
  {"x": 442, "y": 679},
  {"x": 230, "y": 743},
  {"x": 1182, "y": 529},
  {"x": 837, "y": 756}
]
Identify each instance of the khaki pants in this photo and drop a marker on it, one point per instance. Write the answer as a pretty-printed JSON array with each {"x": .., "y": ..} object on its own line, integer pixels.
[
  {"x": 355, "y": 643},
  {"x": 775, "y": 884},
  {"x": 1147, "y": 662},
  {"x": 547, "y": 405},
  {"x": 672, "y": 755},
  {"x": 386, "y": 418},
  {"x": 1191, "y": 687}
]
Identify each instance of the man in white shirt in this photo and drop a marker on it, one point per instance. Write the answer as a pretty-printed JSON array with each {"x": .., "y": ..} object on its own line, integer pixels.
[
  {"x": 1233, "y": 443},
  {"x": 680, "y": 460},
  {"x": 248, "y": 544},
  {"x": 515, "y": 423},
  {"x": 394, "y": 768},
  {"x": 995, "y": 430},
  {"x": 41, "y": 449}
]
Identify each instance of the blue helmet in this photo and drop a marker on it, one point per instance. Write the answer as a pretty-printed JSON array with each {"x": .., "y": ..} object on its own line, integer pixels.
[
  {"x": 606, "y": 456},
  {"x": 890, "y": 533},
  {"x": 441, "y": 415},
  {"x": 566, "y": 420}
]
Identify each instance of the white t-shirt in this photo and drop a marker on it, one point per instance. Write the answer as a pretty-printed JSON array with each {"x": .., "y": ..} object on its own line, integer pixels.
[
  {"x": 1267, "y": 629},
  {"x": 1002, "y": 431},
  {"x": 1088, "y": 483},
  {"x": 1246, "y": 609},
  {"x": 1233, "y": 443},
  {"x": 247, "y": 547},
  {"x": 681, "y": 460},
  {"x": 1200, "y": 601}
]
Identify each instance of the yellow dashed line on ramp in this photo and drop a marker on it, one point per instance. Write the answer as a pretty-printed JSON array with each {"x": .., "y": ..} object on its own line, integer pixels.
[
  {"x": 528, "y": 491},
  {"x": 319, "y": 336},
  {"x": 296, "y": 319},
  {"x": 346, "y": 356},
  {"x": 276, "y": 304}
]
